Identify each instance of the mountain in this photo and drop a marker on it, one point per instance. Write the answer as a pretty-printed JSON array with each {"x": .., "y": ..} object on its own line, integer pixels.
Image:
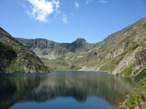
[
  {"x": 116, "y": 54},
  {"x": 49, "y": 49},
  {"x": 16, "y": 58}
]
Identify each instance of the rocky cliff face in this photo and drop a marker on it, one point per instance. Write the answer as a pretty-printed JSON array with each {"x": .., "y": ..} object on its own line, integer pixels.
[
  {"x": 51, "y": 50},
  {"x": 141, "y": 58},
  {"x": 16, "y": 58}
]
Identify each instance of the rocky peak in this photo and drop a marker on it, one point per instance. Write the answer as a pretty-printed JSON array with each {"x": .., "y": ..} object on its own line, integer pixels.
[{"x": 80, "y": 40}]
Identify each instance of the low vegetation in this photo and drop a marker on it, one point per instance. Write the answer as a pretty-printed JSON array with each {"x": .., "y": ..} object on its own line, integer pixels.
[
  {"x": 16, "y": 58},
  {"x": 137, "y": 99},
  {"x": 60, "y": 64}
]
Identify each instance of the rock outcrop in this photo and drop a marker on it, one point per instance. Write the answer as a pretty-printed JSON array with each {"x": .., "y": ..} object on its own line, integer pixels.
[{"x": 141, "y": 58}]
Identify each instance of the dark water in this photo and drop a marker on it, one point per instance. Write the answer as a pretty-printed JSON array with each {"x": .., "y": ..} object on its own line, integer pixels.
[{"x": 63, "y": 90}]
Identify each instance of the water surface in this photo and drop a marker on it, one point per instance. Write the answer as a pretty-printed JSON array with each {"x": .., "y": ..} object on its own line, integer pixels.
[{"x": 63, "y": 90}]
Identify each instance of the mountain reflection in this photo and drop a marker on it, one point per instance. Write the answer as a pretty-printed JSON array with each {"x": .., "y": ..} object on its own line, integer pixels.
[{"x": 78, "y": 86}]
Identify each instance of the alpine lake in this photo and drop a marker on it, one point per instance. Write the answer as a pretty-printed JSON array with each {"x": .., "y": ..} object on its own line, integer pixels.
[{"x": 63, "y": 90}]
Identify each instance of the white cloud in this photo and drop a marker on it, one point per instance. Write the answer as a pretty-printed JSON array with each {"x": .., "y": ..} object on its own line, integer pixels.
[
  {"x": 41, "y": 9},
  {"x": 77, "y": 4},
  {"x": 64, "y": 19},
  {"x": 88, "y": 1},
  {"x": 103, "y": 1}
]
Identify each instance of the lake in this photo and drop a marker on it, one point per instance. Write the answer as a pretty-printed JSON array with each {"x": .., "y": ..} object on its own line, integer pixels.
[{"x": 63, "y": 90}]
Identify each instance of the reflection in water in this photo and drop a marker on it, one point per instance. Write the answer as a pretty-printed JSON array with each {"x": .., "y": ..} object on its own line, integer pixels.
[{"x": 74, "y": 89}]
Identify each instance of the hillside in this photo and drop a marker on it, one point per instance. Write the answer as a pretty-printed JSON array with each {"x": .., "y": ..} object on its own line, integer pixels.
[
  {"x": 116, "y": 53},
  {"x": 137, "y": 99},
  {"x": 16, "y": 58}
]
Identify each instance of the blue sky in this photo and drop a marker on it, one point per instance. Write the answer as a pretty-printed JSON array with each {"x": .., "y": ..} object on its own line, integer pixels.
[{"x": 67, "y": 20}]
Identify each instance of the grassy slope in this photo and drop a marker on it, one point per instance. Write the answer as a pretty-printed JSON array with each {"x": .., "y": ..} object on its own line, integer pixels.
[
  {"x": 137, "y": 99},
  {"x": 60, "y": 64}
]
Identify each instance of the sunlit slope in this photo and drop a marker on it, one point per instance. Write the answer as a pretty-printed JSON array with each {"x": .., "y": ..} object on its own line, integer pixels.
[{"x": 116, "y": 53}]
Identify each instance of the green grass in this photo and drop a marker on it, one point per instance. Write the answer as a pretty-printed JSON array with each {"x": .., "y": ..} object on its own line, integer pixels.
[
  {"x": 60, "y": 64},
  {"x": 111, "y": 64},
  {"x": 127, "y": 71},
  {"x": 137, "y": 99},
  {"x": 141, "y": 75},
  {"x": 15, "y": 58},
  {"x": 15, "y": 67}
]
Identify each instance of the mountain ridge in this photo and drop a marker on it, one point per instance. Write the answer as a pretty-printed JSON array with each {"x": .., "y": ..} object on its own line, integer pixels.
[{"x": 51, "y": 49}]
